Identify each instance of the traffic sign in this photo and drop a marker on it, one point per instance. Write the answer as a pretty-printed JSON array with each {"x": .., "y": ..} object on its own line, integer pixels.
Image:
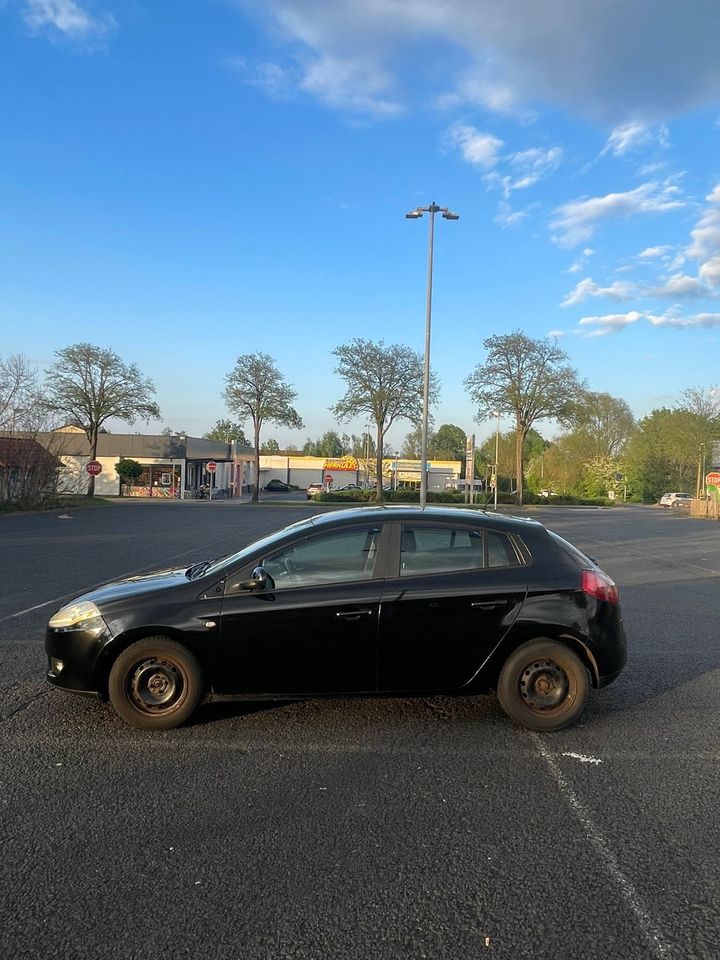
[
  {"x": 328, "y": 478},
  {"x": 94, "y": 467},
  {"x": 713, "y": 479},
  {"x": 211, "y": 467}
]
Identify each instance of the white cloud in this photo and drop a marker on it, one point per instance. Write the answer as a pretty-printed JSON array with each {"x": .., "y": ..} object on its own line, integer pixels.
[
  {"x": 610, "y": 323},
  {"x": 677, "y": 287},
  {"x": 681, "y": 286},
  {"x": 653, "y": 253},
  {"x": 576, "y": 221},
  {"x": 507, "y": 217},
  {"x": 532, "y": 165},
  {"x": 557, "y": 334},
  {"x": 685, "y": 323},
  {"x": 632, "y": 136},
  {"x": 66, "y": 18},
  {"x": 476, "y": 148},
  {"x": 705, "y": 246},
  {"x": 597, "y": 59},
  {"x": 353, "y": 85},
  {"x": 271, "y": 78},
  {"x": 620, "y": 290},
  {"x": 477, "y": 90}
]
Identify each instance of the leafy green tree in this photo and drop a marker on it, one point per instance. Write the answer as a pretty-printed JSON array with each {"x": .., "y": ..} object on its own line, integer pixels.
[
  {"x": 88, "y": 385},
  {"x": 526, "y": 378},
  {"x": 384, "y": 384},
  {"x": 665, "y": 452},
  {"x": 601, "y": 423},
  {"x": 226, "y": 430},
  {"x": 485, "y": 455},
  {"x": 270, "y": 446},
  {"x": 328, "y": 445},
  {"x": 412, "y": 444},
  {"x": 447, "y": 443},
  {"x": 257, "y": 391},
  {"x": 128, "y": 470}
]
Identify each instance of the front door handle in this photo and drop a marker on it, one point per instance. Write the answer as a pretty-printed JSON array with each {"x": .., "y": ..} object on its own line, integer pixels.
[
  {"x": 353, "y": 614},
  {"x": 489, "y": 604}
]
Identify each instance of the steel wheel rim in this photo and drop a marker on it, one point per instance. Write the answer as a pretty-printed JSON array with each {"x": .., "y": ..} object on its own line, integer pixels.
[
  {"x": 156, "y": 685},
  {"x": 544, "y": 686}
]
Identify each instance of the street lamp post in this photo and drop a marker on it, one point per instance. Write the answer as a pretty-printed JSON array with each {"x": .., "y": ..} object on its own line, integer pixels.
[
  {"x": 416, "y": 215},
  {"x": 497, "y": 448}
]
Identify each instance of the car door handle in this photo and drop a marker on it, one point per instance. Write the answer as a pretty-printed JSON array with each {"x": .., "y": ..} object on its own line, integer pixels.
[
  {"x": 489, "y": 604},
  {"x": 353, "y": 614}
]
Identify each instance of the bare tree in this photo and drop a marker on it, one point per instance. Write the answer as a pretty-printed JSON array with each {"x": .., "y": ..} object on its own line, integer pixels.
[
  {"x": 526, "y": 378},
  {"x": 384, "y": 384},
  {"x": 88, "y": 385},
  {"x": 18, "y": 389},
  {"x": 257, "y": 391},
  {"x": 705, "y": 402}
]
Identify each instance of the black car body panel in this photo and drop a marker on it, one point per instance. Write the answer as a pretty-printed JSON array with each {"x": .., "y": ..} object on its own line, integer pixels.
[{"x": 380, "y": 626}]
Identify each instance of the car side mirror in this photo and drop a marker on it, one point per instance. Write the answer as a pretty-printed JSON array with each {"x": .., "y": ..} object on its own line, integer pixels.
[{"x": 260, "y": 580}]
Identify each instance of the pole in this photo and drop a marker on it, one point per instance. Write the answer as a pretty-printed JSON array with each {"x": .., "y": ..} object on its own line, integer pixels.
[
  {"x": 497, "y": 449},
  {"x": 433, "y": 208}
]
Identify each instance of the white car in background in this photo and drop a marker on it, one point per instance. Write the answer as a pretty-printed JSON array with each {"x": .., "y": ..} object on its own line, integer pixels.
[
  {"x": 676, "y": 500},
  {"x": 313, "y": 489}
]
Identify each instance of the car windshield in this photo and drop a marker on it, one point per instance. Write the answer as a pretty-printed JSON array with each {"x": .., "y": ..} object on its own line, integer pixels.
[{"x": 214, "y": 567}]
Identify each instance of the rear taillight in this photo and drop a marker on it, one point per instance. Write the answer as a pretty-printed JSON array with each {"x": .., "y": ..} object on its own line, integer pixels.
[{"x": 596, "y": 584}]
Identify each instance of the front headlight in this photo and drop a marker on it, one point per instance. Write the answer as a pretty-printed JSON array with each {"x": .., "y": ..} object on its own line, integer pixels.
[{"x": 76, "y": 615}]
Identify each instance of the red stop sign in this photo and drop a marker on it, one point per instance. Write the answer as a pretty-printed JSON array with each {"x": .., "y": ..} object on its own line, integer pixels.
[
  {"x": 328, "y": 478},
  {"x": 94, "y": 467},
  {"x": 713, "y": 479},
  {"x": 211, "y": 467}
]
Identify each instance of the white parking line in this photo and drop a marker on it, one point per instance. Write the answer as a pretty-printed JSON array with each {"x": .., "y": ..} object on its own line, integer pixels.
[{"x": 661, "y": 948}]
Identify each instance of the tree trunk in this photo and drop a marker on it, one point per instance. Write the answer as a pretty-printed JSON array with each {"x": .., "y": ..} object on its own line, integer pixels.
[
  {"x": 256, "y": 485},
  {"x": 519, "y": 464},
  {"x": 93, "y": 455},
  {"x": 379, "y": 495}
]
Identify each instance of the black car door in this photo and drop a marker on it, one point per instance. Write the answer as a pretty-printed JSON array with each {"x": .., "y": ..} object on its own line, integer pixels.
[
  {"x": 453, "y": 594},
  {"x": 314, "y": 628}
]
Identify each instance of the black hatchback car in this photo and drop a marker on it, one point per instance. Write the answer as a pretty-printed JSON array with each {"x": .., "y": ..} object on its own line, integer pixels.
[{"x": 370, "y": 601}]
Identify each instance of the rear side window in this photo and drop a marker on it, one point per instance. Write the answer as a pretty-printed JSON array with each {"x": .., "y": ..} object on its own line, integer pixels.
[{"x": 443, "y": 549}]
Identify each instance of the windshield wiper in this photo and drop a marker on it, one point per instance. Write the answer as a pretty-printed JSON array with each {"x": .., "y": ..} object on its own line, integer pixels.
[{"x": 197, "y": 569}]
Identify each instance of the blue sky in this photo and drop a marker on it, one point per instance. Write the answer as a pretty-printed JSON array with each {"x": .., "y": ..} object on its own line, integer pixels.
[{"x": 192, "y": 180}]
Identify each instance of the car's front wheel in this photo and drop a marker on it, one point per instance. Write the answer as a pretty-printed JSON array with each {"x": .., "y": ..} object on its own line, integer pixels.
[
  {"x": 543, "y": 685},
  {"x": 155, "y": 684}
]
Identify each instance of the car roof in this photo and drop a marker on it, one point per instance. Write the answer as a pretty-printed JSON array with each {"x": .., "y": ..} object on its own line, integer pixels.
[{"x": 445, "y": 514}]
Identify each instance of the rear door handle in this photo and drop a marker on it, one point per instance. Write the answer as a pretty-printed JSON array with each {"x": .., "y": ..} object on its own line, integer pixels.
[
  {"x": 489, "y": 604},
  {"x": 353, "y": 614}
]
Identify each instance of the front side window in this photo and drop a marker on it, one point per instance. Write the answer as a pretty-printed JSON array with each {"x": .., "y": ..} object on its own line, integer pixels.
[
  {"x": 337, "y": 557},
  {"x": 429, "y": 549}
]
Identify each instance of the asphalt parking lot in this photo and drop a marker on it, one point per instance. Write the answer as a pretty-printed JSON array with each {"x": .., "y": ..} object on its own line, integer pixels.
[{"x": 408, "y": 828}]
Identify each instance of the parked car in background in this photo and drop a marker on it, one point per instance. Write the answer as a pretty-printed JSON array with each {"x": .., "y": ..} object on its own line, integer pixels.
[
  {"x": 350, "y": 486},
  {"x": 278, "y": 486},
  {"x": 676, "y": 500},
  {"x": 371, "y": 601},
  {"x": 313, "y": 489}
]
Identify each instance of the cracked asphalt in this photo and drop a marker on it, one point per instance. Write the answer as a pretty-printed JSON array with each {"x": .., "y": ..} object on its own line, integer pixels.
[{"x": 406, "y": 828}]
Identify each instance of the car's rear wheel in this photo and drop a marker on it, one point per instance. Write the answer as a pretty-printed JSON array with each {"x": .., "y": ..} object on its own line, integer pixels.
[
  {"x": 155, "y": 684},
  {"x": 543, "y": 685}
]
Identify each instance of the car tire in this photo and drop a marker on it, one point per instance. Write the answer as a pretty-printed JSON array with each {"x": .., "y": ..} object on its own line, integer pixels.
[
  {"x": 543, "y": 685},
  {"x": 155, "y": 684}
]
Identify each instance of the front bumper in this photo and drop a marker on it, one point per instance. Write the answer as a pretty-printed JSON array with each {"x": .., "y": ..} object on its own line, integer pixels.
[{"x": 73, "y": 657}]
